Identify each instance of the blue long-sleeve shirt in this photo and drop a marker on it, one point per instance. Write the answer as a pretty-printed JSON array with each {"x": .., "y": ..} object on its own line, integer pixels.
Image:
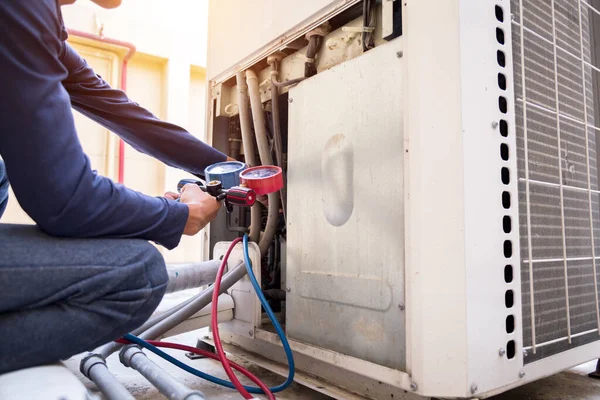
[{"x": 41, "y": 78}]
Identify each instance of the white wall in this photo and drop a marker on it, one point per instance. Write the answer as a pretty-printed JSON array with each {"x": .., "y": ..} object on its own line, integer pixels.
[{"x": 166, "y": 76}]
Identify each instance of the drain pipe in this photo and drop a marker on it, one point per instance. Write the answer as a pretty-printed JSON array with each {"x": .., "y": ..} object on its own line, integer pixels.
[
  {"x": 94, "y": 368},
  {"x": 248, "y": 143},
  {"x": 132, "y": 356},
  {"x": 123, "y": 86},
  {"x": 264, "y": 151},
  {"x": 274, "y": 61}
]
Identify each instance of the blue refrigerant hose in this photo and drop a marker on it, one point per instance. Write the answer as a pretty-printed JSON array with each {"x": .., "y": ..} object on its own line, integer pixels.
[{"x": 286, "y": 346}]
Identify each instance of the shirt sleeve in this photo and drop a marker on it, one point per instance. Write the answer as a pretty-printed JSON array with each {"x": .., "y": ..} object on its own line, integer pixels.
[
  {"x": 48, "y": 170},
  {"x": 111, "y": 108}
]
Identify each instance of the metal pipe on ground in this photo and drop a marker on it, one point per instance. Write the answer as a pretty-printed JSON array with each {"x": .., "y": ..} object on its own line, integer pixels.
[
  {"x": 196, "y": 305},
  {"x": 248, "y": 145},
  {"x": 132, "y": 356},
  {"x": 94, "y": 367},
  {"x": 162, "y": 323},
  {"x": 189, "y": 276}
]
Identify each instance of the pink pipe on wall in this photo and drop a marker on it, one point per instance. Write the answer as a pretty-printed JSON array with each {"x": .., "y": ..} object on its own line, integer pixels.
[{"x": 123, "y": 85}]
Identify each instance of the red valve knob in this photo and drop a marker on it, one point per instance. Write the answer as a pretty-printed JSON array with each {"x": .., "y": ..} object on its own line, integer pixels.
[{"x": 241, "y": 196}]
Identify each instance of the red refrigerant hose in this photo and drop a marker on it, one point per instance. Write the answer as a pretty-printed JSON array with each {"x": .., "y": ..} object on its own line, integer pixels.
[{"x": 215, "y": 329}]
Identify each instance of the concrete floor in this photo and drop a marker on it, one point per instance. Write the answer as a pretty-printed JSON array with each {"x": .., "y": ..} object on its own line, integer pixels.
[
  {"x": 569, "y": 385},
  {"x": 142, "y": 390}
]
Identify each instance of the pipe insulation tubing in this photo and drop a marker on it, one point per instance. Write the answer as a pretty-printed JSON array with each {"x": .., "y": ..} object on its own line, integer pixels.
[
  {"x": 196, "y": 305},
  {"x": 248, "y": 144},
  {"x": 94, "y": 367},
  {"x": 258, "y": 116},
  {"x": 245, "y": 120},
  {"x": 278, "y": 144},
  {"x": 264, "y": 151},
  {"x": 272, "y": 222},
  {"x": 286, "y": 83},
  {"x": 132, "y": 356},
  {"x": 189, "y": 276}
]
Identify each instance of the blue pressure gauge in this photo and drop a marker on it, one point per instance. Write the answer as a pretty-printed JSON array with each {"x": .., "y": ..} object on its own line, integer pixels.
[{"x": 227, "y": 172}]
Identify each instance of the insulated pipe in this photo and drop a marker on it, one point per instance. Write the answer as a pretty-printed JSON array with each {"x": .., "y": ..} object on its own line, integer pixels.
[
  {"x": 286, "y": 83},
  {"x": 277, "y": 129},
  {"x": 248, "y": 144},
  {"x": 199, "y": 303},
  {"x": 183, "y": 277},
  {"x": 272, "y": 222},
  {"x": 132, "y": 356},
  {"x": 258, "y": 116},
  {"x": 94, "y": 367},
  {"x": 264, "y": 150},
  {"x": 130, "y": 52},
  {"x": 245, "y": 120}
]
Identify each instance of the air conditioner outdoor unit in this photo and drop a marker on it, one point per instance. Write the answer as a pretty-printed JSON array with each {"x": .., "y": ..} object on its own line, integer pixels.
[{"x": 443, "y": 211}]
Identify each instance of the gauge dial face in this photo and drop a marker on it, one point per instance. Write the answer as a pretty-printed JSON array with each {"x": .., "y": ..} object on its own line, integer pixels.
[
  {"x": 225, "y": 167},
  {"x": 259, "y": 173}
]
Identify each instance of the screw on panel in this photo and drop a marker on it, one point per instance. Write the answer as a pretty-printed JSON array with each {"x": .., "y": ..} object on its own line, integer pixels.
[
  {"x": 291, "y": 100},
  {"x": 495, "y": 124},
  {"x": 399, "y": 54},
  {"x": 206, "y": 337},
  {"x": 473, "y": 388},
  {"x": 521, "y": 374},
  {"x": 524, "y": 352},
  {"x": 288, "y": 289},
  {"x": 401, "y": 306},
  {"x": 250, "y": 333},
  {"x": 413, "y": 386},
  {"x": 502, "y": 352}
]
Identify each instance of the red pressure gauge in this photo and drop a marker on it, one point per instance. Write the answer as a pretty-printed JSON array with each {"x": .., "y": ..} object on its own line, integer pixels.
[{"x": 263, "y": 179}]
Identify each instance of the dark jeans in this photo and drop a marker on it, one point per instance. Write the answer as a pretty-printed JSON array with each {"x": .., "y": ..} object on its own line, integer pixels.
[
  {"x": 3, "y": 188},
  {"x": 60, "y": 297}
]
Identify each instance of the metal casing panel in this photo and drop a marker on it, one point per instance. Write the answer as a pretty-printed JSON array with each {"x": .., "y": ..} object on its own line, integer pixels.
[
  {"x": 239, "y": 29},
  {"x": 457, "y": 248},
  {"x": 345, "y": 209}
]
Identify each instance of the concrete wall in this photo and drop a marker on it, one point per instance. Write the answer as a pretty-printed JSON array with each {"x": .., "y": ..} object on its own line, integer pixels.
[{"x": 166, "y": 76}]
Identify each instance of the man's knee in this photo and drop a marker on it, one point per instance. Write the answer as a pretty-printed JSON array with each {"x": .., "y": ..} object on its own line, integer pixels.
[
  {"x": 131, "y": 292},
  {"x": 155, "y": 274}
]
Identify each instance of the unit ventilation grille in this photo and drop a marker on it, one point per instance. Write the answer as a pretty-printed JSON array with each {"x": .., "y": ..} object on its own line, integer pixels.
[{"x": 555, "y": 77}]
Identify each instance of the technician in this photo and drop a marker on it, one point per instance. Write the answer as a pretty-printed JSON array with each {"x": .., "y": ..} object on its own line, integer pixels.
[{"x": 86, "y": 274}]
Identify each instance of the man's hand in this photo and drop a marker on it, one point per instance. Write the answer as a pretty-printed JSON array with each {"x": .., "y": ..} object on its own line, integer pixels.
[{"x": 203, "y": 207}]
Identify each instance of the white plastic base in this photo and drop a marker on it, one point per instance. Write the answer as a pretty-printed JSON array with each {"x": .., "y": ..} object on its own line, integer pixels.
[{"x": 50, "y": 382}]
